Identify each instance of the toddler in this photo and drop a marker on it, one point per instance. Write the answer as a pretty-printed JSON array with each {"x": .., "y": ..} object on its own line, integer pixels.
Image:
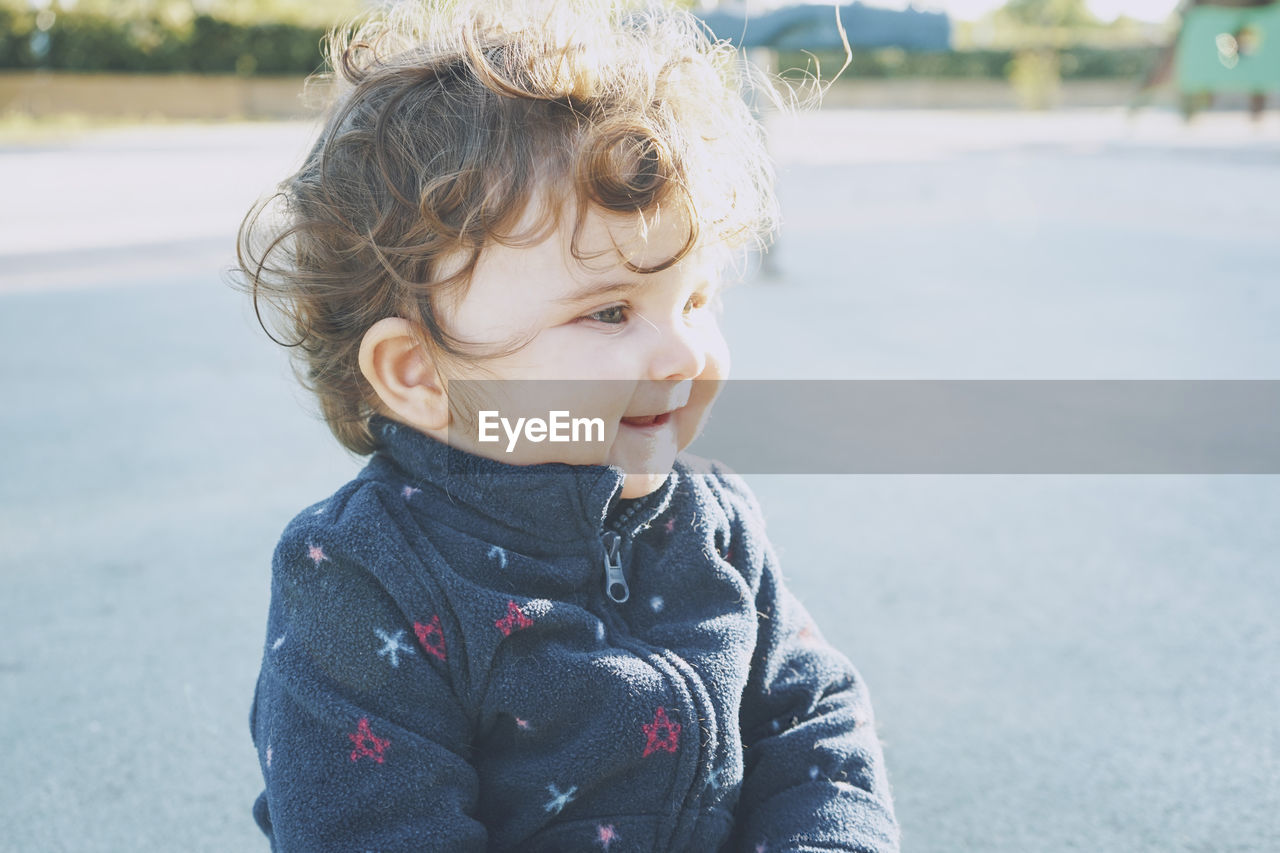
[{"x": 530, "y": 645}]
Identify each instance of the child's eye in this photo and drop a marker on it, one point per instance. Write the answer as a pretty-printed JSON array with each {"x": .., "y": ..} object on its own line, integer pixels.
[{"x": 614, "y": 315}]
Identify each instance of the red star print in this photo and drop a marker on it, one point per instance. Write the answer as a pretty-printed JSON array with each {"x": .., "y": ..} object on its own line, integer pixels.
[
  {"x": 606, "y": 835},
  {"x": 515, "y": 620},
  {"x": 668, "y": 739},
  {"x": 316, "y": 553},
  {"x": 431, "y": 637},
  {"x": 368, "y": 745}
]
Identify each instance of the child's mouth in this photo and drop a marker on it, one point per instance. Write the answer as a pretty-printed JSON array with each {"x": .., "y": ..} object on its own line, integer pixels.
[{"x": 648, "y": 420}]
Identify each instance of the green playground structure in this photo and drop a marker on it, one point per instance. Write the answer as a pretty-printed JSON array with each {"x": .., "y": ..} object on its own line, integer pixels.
[
  {"x": 1230, "y": 49},
  {"x": 1224, "y": 47}
]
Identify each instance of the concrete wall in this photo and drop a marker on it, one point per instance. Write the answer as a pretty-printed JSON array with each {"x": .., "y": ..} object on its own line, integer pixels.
[
  {"x": 176, "y": 96},
  {"x": 188, "y": 96}
]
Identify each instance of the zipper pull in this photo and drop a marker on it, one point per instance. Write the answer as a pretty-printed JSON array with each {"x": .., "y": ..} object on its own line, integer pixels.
[{"x": 615, "y": 582}]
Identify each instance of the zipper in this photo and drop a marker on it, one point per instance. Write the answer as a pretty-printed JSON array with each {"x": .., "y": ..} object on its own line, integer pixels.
[
  {"x": 618, "y": 591},
  {"x": 616, "y": 588},
  {"x": 615, "y": 580}
]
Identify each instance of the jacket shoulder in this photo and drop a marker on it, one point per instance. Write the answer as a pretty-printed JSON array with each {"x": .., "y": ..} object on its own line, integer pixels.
[
  {"x": 355, "y": 522},
  {"x": 717, "y": 483},
  {"x": 347, "y": 588},
  {"x": 718, "y": 490}
]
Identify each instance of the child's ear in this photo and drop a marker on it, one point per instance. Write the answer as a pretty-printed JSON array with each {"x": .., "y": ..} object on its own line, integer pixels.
[{"x": 403, "y": 376}]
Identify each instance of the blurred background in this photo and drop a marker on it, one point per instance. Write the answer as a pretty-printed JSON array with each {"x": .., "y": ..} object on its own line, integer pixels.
[{"x": 1040, "y": 189}]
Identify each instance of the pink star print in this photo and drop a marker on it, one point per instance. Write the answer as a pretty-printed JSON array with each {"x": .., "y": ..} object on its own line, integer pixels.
[
  {"x": 515, "y": 620},
  {"x": 523, "y": 725},
  {"x": 605, "y": 835},
  {"x": 670, "y": 525},
  {"x": 316, "y": 553},
  {"x": 670, "y": 734},
  {"x": 409, "y": 491},
  {"x": 431, "y": 637},
  {"x": 368, "y": 745}
]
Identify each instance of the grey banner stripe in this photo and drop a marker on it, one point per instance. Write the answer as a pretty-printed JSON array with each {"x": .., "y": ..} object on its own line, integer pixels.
[{"x": 978, "y": 426}]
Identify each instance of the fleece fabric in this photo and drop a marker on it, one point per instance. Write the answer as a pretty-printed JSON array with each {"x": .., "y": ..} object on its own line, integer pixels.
[{"x": 466, "y": 655}]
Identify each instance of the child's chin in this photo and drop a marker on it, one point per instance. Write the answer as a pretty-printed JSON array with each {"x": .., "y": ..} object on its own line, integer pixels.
[{"x": 639, "y": 485}]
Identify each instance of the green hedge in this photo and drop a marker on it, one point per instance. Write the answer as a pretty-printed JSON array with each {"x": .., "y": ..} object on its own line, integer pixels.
[
  {"x": 78, "y": 41},
  {"x": 85, "y": 42},
  {"x": 1077, "y": 63}
]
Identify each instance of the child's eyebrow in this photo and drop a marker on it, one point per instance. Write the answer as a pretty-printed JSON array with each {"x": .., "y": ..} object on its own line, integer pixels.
[{"x": 598, "y": 289}]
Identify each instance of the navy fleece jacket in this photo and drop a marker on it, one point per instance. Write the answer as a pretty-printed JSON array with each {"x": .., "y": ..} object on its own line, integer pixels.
[{"x": 450, "y": 665}]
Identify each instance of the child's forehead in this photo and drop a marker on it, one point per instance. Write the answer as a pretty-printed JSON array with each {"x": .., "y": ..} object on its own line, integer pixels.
[
  {"x": 642, "y": 240},
  {"x": 578, "y": 252}
]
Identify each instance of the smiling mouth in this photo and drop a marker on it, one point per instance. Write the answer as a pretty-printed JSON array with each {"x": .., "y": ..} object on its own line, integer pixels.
[{"x": 648, "y": 420}]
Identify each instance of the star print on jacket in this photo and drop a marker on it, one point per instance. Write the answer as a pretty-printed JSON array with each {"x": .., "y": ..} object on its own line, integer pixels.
[
  {"x": 368, "y": 745},
  {"x": 392, "y": 646},
  {"x": 515, "y": 620},
  {"x": 316, "y": 553},
  {"x": 606, "y": 835},
  {"x": 662, "y": 734},
  {"x": 431, "y": 636},
  {"x": 560, "y": 800}
]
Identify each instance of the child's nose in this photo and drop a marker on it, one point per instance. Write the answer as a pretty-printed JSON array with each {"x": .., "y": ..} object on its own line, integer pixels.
[{"x": 679, "y": 353}]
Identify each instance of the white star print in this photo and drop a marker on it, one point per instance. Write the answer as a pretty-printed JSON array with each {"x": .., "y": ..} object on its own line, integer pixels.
[
  {"x": 495, "y": 551},
  {"x": 559, "y": 800},
  {"x": 657, "y": 603},
  {"x": 392, "y": 645},
  {"x": 275, "y": 647}
]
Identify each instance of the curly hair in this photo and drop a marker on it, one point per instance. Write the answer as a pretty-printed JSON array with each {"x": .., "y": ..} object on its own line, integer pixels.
[{"x": 448, "y": 123}]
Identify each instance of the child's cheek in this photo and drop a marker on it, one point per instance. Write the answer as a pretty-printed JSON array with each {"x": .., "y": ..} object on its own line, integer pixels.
[{"x": 717, "y": 350}]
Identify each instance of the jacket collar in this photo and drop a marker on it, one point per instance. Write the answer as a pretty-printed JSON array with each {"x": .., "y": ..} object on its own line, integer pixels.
[{"x": 555, "y": 501}]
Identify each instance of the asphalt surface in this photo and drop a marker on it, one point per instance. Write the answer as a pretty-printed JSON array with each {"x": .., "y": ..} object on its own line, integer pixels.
[{"x": 1058, "y": 663}]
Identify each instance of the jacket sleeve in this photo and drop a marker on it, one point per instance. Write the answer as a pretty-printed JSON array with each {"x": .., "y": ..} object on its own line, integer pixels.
[
  {"x": 814, "y": 774},
  {"x": 362, "y": 741}
]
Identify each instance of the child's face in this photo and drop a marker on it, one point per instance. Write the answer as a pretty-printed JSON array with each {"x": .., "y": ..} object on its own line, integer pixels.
[{"x": 650, "y": 334}]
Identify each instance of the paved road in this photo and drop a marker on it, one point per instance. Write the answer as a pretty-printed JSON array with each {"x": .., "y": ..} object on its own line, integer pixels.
[{"x": 1058, "y": 663}]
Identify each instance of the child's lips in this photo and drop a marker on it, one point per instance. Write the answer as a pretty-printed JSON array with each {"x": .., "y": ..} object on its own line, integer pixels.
[{"x": 643, "y": 421}]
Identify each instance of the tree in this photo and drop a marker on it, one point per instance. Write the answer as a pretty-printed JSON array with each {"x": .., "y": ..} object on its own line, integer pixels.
[{"x": 1050, "y": 13}]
